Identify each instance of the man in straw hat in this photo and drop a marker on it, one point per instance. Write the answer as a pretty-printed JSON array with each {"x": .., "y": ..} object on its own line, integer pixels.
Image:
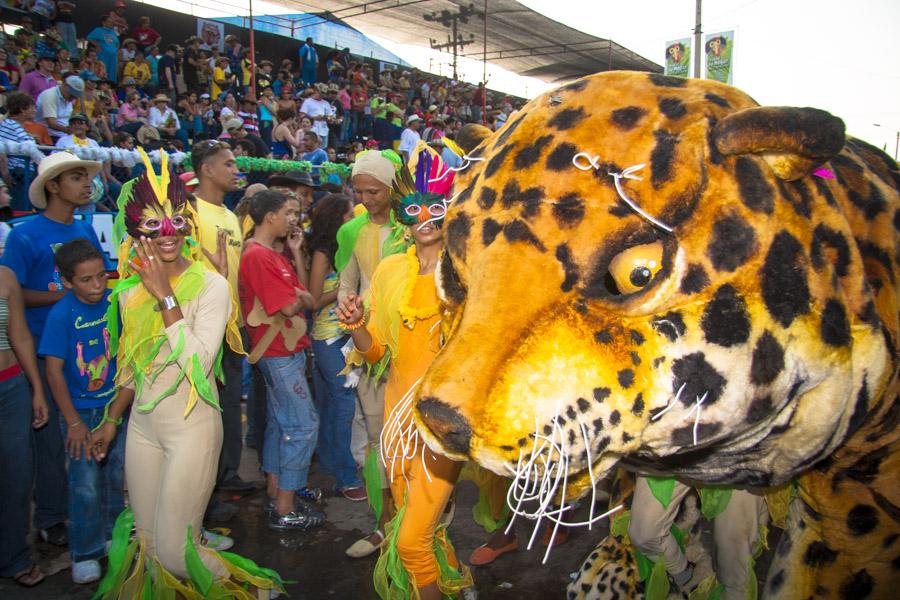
[
  {"x": 56, "y": 105},
  {"x": 362, "y": 243},
  {"x": 166, "y": 121},
  {"x": 62, "y": 185}
]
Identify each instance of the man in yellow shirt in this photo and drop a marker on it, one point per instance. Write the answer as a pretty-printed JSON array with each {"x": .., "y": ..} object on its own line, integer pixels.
[
  {"x": 223, "y": 78},
  {"x": 138, "y": 69},
  {"x": 219, "y": 234}
]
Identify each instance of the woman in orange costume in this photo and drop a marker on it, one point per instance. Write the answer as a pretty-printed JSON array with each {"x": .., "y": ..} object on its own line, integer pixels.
[{"x": 404, "y": 328}]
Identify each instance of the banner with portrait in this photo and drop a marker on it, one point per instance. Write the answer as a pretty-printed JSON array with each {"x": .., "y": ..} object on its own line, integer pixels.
[
  {"x": 719, "y": 50},
  {"x": 211, "y": 34},
  {"x": 678, "y": 58}
]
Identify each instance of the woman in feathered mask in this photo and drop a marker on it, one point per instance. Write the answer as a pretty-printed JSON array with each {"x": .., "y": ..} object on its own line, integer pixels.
[{"x": 174, "y": 313}]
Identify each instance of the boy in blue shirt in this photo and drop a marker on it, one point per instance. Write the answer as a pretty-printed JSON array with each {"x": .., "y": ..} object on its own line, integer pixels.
[
  {"x": 63, "y": 184},
  {"x": 81, "y": 372}
]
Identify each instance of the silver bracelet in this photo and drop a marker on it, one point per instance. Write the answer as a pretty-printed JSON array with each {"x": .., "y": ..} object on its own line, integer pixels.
[{"x": 168, "y": 303}]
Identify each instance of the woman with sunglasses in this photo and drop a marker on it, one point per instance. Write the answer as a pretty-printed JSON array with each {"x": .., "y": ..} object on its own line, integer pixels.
[
  {"x": 404, "y": 326},
  {"x": 174, "y": 313}
]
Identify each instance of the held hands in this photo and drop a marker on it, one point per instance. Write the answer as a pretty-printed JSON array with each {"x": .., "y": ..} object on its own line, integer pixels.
[
  {"x": 219, "y": 260},
  {"x": 101, "y": 439},
  {"x": 78, "y": 439},
  {"x": 150, "y": 269},
  {"x": 350, "y": 310}
]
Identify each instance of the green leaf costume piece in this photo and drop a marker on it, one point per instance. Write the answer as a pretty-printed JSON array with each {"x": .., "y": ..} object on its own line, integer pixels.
[
  {"x": 662, "y": 488},
  {"x": 374, "y": 484}
]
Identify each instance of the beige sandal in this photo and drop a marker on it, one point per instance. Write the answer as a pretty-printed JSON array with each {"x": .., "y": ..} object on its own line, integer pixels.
[{"x": 362, "y": 548}]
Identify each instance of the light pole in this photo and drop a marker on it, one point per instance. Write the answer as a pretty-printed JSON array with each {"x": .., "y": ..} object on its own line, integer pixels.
[{"x": 896, "y": 143}]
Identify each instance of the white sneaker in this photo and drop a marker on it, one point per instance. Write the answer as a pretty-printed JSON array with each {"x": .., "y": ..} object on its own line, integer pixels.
[
  {"x": 216, "y": 541},
  {"x": 86, "y": 571}
]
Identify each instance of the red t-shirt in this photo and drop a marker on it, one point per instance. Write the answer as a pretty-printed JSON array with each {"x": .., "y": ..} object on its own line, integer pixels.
[{"x": 267, "y": 275}]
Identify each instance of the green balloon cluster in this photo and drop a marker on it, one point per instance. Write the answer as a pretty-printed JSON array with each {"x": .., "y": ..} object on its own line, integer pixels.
[{"x": 268, "y": 165}]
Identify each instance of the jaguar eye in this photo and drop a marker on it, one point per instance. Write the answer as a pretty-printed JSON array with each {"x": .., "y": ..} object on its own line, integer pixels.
[{"x": 633, "y": 269}]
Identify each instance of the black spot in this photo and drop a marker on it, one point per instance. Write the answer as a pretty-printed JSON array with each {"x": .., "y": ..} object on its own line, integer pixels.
[
  {"x": 662, "y": 157},
  {"x": 570, "y": 269},
  {"x": 658, "y": 361},
  {"x": 673, "y": 108},
  {"x": 821, "y": 590},
  {"x": 547, "y": 430},
  {"x": 733, "y": 243},
  {"x": 602, "y": 170},
  {"x": 797, "y": 195},
  {"x": 518, "y": 231},
  {"x": 626, "y": 378},
  {"x": 489, "y": 230},
  {"x": 715, "y": 157},
  {"x": 768, "y": 360},
  {"x": 824, "y": 236},
  {"x": 784, "y": 287},
  {"x": 507, "y": 448},
  {"x": 667, "y": 81},
  {"x": 509, "y": 130},
  {"x": 583, "y": 405},
  {"x": 568, "y": 211},
  {"x": 614, "y": 418},
  {"x": 862, "y": 519},
  {"x": 626, "y": 437},
  {"x": 784, "y": 545},
  {"x": 575, "y": 86},
  {"x": 601, "y": 393},
  {"x": 725, "y": 321},
  {"x": 635, "y": 359},
  {"x": 835, "y": 329},
  {"x": 892, "y": 510},
  {"x": 637, "y": 337},
  {"x": 864, "y": 470},
  {"x": 890, "y": 539},
  {"x": 531, "y": 200},
  {"x": 759, "y": 409},
  {"x": 695, "y": 280},
  {"x": 567, "y": 118},
  {"x": 487, "y": 198},
  {"x": 603, "y": 337},
  {"x": 531, "y": 153},
  {"x": 869, "y": 314},
  {"x": 627, "y": 118},
  {"x": 822, "y": 188},
  {"x": 872, "y": 205},
  {"x": 497, "y": 161},
  {"x": 717, "y": 100},
  {"x": 698, "y": 378},
  {"x": 873, "y": 251},
  {"x": 620, "y": 209},
  {"x": 458, "y": 233},
  {"x": 451, "y": 286},
  {"x": 570, "y": 413},
  {"x": 561, "y": 157},
  {"x": 637, "y": 408},
  {"x": 756, "y": 193},
  {"x": 670, "y": 325},
  {"x": 684, "y": 436},
  {"x": 463, "y": 196},
  {"x": 818, "y": 555},
  {"x": 857, "y": 586},
  {"x": 897, "y": 219}
]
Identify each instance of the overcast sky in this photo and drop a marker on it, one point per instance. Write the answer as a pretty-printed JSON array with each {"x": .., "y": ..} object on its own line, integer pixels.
[{"x": 839, "y": 55}]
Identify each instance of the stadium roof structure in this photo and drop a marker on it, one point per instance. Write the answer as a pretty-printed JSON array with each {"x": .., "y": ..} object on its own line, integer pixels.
[{"x": 513, "y": 36}]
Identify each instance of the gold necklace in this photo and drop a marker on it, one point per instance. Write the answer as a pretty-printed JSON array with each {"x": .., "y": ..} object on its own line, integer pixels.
[{"x": 410, "y": 314}]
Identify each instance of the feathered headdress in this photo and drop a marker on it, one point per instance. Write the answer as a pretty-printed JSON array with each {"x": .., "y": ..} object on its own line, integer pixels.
[
  {"x": 151, "y": 206},
  {"x": 420, "y": 189}
]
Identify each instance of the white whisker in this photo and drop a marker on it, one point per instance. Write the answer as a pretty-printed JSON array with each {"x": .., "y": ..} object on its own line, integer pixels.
[{"x": 671, "y": 404}]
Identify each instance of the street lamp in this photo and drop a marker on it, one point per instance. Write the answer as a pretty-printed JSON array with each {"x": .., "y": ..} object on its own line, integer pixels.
[{"x": 896, "y": 143}]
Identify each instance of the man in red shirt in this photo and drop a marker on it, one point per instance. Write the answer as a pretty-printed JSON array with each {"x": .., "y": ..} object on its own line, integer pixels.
[{"x": 272, "y": 299}]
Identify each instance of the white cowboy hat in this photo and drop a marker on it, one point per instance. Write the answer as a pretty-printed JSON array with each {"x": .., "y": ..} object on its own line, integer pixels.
[{"x": 55, "y": 165}]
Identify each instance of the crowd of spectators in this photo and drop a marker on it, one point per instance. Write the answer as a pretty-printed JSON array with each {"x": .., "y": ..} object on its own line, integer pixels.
[{"x": 125, "y": 84}]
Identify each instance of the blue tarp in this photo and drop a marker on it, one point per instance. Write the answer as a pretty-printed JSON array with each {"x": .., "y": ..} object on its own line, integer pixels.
[{"x": 322, "y": 32}]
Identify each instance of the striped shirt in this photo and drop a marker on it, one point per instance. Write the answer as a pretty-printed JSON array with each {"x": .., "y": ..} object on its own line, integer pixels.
[{"x": 12, "y": 131}]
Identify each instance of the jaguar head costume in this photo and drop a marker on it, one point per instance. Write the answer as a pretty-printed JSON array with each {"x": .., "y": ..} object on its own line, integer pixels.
[{"x": 658, "y": 273}]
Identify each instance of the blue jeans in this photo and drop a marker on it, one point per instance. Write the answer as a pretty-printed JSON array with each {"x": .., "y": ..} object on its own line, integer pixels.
[
  {"x": 292, "y": 422},
  {"x": 95, "y": 492},
  {"x": 50, "y": 487},
  {"x": 17, "y": 467},
  {"x": 337, "y": 405}
]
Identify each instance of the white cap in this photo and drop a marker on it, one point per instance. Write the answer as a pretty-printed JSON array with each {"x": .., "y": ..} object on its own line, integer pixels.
[{"x": 412, "y": 119}]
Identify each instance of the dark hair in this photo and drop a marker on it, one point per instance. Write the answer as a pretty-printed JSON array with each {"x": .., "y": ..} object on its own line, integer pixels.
[
  {"x": 73, "y": 253},
  {"x": 248, "y": 146},
  {"x": 203, "y": 151},
  {"x": 327, "y": 217},
  {"x": 311, "y": 134},
  {"x": 18, "y": 102},
  {"x": 265, "y": 202},
  {"x": 120, "y": 137},
  {"x": 283, "y": 114}
]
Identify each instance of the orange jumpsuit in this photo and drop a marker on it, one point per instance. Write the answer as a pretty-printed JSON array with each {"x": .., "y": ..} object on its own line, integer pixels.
[{"x": 425, "y": 499}]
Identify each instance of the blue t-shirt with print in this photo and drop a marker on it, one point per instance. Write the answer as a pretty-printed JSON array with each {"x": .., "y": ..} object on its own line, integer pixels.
[
  {"x": 76, "y": 333},
  {"x": 30, "y": 251}
]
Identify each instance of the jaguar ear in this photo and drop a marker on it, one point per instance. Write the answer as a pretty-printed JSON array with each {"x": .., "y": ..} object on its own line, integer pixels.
[
  {"x": 471, "y": 135},
  {"x": 793, "y": 141}
]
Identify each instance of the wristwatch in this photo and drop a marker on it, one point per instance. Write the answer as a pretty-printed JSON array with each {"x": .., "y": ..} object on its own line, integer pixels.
[{"x": 168, "y": 303}]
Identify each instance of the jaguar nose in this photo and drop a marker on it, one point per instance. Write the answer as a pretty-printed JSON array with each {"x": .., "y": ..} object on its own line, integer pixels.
[{"x": 446, "y": 424}]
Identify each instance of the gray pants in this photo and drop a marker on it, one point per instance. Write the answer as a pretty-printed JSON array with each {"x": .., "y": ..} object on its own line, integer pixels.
[{"x": 735, "y": 532}]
